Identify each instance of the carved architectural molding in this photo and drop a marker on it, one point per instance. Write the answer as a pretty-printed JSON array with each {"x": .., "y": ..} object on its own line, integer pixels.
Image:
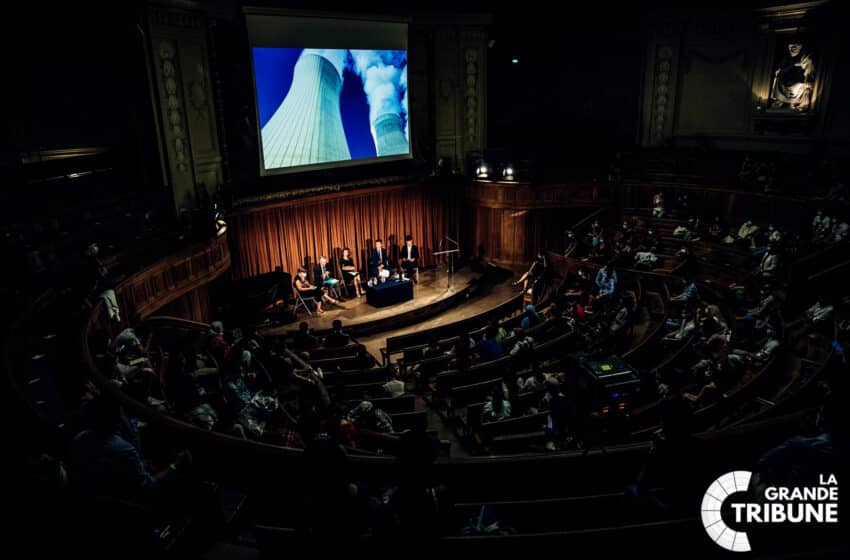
[
  {"x": 178, "y": 43},
  {"x": 460, "y": 54},
  {"x": 176, "y": 125},
  {"x": 712, "y": 79},
  {"x": 663, "y": 90},
  {"x": 660, "y": 84}
]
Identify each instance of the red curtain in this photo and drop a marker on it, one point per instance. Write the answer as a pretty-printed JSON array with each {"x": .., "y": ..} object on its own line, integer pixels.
[{"x": 296, "y": 233}]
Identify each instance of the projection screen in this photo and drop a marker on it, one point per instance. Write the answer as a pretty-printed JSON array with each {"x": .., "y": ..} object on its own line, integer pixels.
[{"x": 329, "y": 91}]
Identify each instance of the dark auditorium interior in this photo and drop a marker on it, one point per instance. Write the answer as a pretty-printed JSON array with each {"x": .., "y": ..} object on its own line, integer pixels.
[{"x": 566, "y": 277}]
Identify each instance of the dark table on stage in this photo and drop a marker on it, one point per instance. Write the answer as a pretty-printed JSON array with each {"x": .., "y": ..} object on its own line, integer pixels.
[{"x": 389, "y": 293}]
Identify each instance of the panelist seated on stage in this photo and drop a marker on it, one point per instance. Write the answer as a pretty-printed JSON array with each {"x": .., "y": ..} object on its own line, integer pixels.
[
  {"x": 379, "y": 266},
  {"x": 409, "y": 257},
  {"x": 323, "y": 277},
  {"x": 308, "y": 290},
  {"x": 349, "y": 269}
]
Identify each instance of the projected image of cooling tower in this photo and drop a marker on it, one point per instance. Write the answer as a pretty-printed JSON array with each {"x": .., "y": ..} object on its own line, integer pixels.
[
  {"x": 389, "y": 135},
  {"x": 319, "y": 106},
  {"x": 307, "y": 127}
]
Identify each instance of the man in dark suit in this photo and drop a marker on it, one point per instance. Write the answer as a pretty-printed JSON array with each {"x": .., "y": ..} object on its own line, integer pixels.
[
  {"x": 378, "y": 261},
  {"x": 409, "y": 257},
  {"x": 321, "y": 272},
  {"x": 321, "y": 275}
]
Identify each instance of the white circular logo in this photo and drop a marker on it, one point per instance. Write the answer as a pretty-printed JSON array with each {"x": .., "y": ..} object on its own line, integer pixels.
[{"x": 718, "y": 492}]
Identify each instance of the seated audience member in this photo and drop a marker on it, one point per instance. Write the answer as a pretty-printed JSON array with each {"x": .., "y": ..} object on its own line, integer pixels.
[
  {"x": 818, "y": 224},
  {"x": 715, "y": 229},
  {"x": 104, "y": 458},
  {"x": 731, "y": 238},
  {"x": 769, "y": 303},
  {"x": 281, "y": 366},
  {"x": 606, "y": 281},
  {"x": 579, "y": 285},
  {"x": 489, "y": 348},
  {"x": 711, "y": 321},
  {"x": 766, "y": 347},
  {"x": 425, "y": 369},
  {"x": 418, "y": 508},
  {"x": 501, "y": 332},
  {"x": 773, "y": 235},
  {"x": 687, "y": 232},
  {"x": 532, "y": 383},
  {"x": 840, "y": 232},
  {"x": 523, "y": 347},
  {"x": 237, "y": 391},
  {"x": 303, "y": 340},
  {"x": 814, "y": 317},
  {"x": 572, "y": 315},
  {"x": 658, "y": 205},
  {"x": 719, "y": 372},
  {"x": 219, "y": 347},
  {"x": 433, "y": 349},
  {"x": 769, "y": 264},
  {"x": 497, "y": 407},
  {"x": 689, "y": 295},
  {"x": 747, "y": 231},
  {"x": 461, "y": 352},
  {"x": 531, "y": 318},
  {"x": 645, "y": 260},
  {"x": 366, "y": 416},
  {"x": 337, "y": 337},
  {"x": 625, "y": 314},
  {"x": 332, "y": 507},
  {"x": 686, "y": 326},
  {"x": 395, "y": 387},
  {"x": 127, "y": 340},
  {"x": 558, "y": 420}
]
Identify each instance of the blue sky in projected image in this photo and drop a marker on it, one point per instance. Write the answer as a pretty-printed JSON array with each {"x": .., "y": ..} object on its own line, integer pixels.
[{"x": 273, "y": 69}]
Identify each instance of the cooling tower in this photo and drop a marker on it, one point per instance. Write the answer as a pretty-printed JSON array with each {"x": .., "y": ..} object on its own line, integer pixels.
[
  {"x": 307, "y": 127},
  {"x": 389, "y": 135}
]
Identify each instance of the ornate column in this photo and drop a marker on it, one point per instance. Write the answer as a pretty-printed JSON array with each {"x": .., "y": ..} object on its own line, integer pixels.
[
  {"x": 460, "y": 99},
  {"x": 183, "y": 93},
  {"x": 660, "y": 78}
]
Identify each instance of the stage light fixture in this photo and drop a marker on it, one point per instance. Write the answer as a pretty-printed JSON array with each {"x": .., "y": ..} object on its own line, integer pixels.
[
  {"x": 508, "y": 172},
  {"x": 482, "y": 170}
]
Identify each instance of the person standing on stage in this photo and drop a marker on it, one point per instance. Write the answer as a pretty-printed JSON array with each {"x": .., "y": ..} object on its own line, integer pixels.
[
  {"x": 409, "y": 257},
  {"x": 346, "y": 263},
  {"x": 378, "y": 264}
]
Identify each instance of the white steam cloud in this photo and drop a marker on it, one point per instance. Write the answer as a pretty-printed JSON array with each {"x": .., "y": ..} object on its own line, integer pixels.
[{"x": 384, "y": 75}]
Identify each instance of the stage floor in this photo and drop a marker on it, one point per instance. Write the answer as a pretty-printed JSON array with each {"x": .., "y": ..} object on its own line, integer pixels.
[{"x": 431, "y": 290}]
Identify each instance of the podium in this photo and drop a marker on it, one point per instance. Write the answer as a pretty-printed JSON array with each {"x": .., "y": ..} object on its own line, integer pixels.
[{"x": 451, "y": 253}]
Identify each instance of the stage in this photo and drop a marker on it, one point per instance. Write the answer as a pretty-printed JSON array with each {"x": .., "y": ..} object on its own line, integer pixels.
[{"x": 471, "y": 293}]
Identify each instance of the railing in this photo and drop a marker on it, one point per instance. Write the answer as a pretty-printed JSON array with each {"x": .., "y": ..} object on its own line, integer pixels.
[{"x": 170, "y": 278}]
